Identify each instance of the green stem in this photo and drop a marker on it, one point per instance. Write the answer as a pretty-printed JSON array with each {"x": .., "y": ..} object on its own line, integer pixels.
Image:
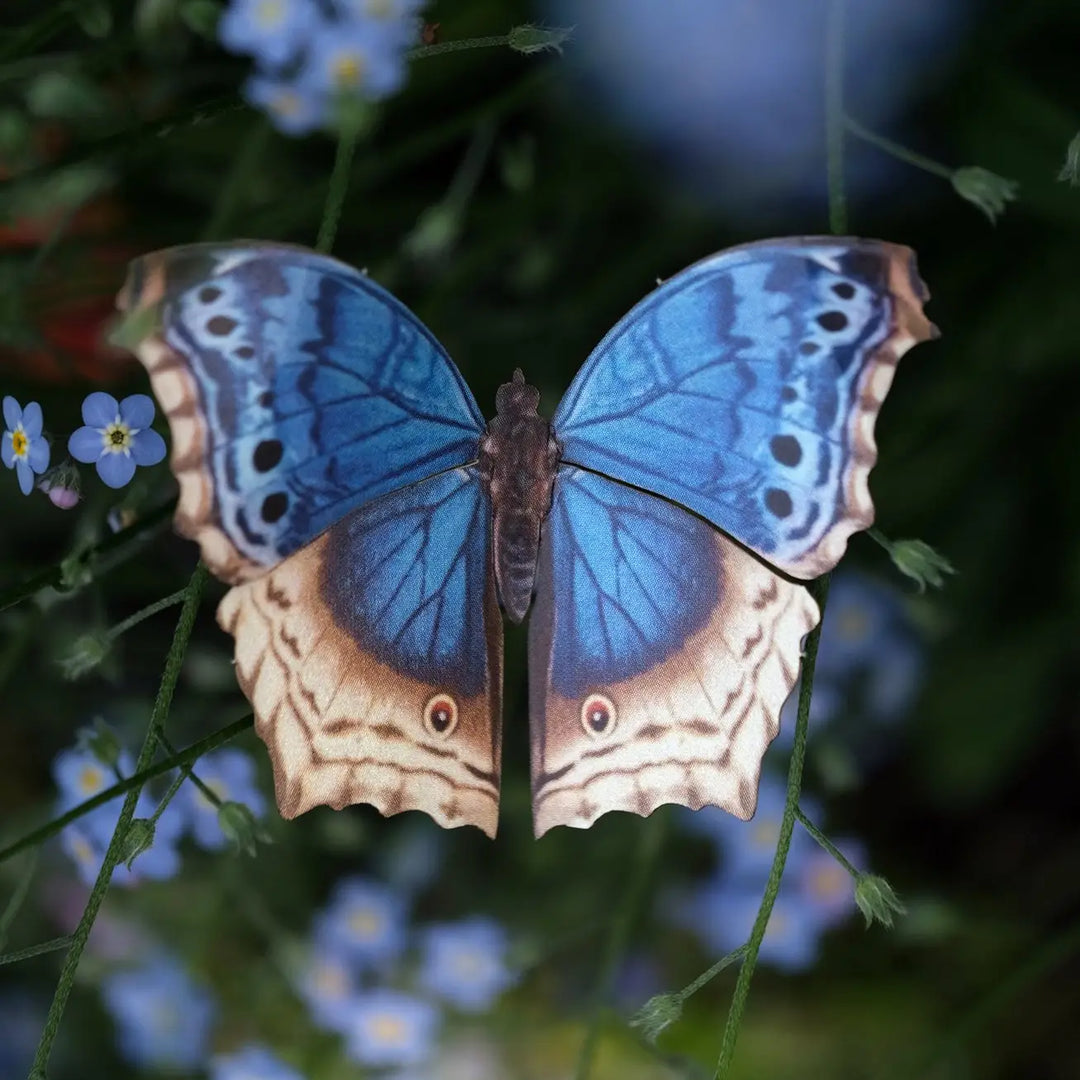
[
  {"x": 158, "y": 716},
  {"x": 787, "y": 826},
  {"x": 901, "y": 153},
  {"x": 53, "y": 945},
  {"x": 53, "y": 577},
  {"x": 648, "y": 852},
  {"x": 834, "y": 117},
  {"x": 707, "y": 976},
  {"x": 339, "y": 186},
  {"x": 136, "y": 781},
  {"x": 169, "y": 601},
  {"x": 238, "y": 180},
  {"x": 827, "y": 844},
  {"x": 167, "y": 798},
  {"x": 186, "y": 772},
  {"x": 11, "y": 908},
  {"x": 421, "y": 52}
]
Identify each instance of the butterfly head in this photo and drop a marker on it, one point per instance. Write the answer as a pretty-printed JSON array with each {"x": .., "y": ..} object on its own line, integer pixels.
[{"x": 517, "y": 397}]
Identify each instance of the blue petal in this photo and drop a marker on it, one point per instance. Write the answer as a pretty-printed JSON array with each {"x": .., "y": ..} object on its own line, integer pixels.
[
  {"x": 25, "y": 475},
  {"x": 86, "y": 444},
  {"x": 99, "y": 409},
  {"x": 147, "y": 447},
  {"x": 32, "y": 419},
  {"x": 12, "y": 413},
  {"x": 116, "y": 469},
  {"x": 7, "y": 451},
  {"x": 137, "y": 411},
  {"x": 39, "y": 455}
]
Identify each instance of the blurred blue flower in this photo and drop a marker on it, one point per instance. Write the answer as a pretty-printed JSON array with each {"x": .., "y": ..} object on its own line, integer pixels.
[
  {"x": 364, "y": 921},
  {"x": 415, "y": 853},
  {"x": 117, "y": 436},
  {"x": 252, "y": 1062},
  {"x": 388, "y": 1028},
  {"x": 163, "y": 1019},
  {"x": 79, "y": 775},
  {"x": 354, "y": 57},
  {"x": 748, "y": 847},
  {"x": 327, "y": 986},
  {"x": 465, "y": 963},
  {"x": 272, "y": 31},
  {"x": 229, "y": 774},
  {"x": 21, "y": 1020},
  {"x": 826, "y": 886},
  {"x": 23, "y": 447},
  {"x": 294, "y": 109},
  {"x": 730, "y": 94}
]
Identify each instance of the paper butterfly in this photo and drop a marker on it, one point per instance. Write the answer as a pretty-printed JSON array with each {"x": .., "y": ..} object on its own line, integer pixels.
[{"x": 335, "y": 468}]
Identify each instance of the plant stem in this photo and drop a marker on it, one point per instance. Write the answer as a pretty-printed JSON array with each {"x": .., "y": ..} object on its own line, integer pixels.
[
  {"x": 53, "y": 945},
  {"x": 158, "y": 716},
  {"x": 169, "y": 601},
  {"x": 827, "y": 844},
  {"x": 648, "y": 851},
  {"x": 339, "y": 186},
  {"x": 707, "y": 976},
  {"x": 138, "y": 780},
  {"x": 902, "y": 153},
  {"x": 787, "y": 825},
  {"x": 189, "y": 773},
  {"x": 493, "y": 41},
  {"x": 834, "y": 117},
  {"x": 11, "y": 908}
]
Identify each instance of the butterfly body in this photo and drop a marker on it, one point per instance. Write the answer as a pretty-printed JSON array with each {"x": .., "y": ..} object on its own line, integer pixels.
[
  {"x": 335, "y": 468},
  {"x": 518, "y": 458}
]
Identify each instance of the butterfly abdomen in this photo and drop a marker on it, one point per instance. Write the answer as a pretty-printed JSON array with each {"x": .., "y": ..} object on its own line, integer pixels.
[{"x": 518, "y": 455}]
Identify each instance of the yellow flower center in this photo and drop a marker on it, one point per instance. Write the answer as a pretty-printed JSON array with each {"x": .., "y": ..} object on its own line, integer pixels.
[
  {"x": 765, "y": 834},
  {"x": 91, "y": 779},
  {"x": 269, "y": 13},
  {"x": 389, "y": 1030},
  {"x": 365, "y": 923},
  {"x": 83, "y": 852},
  {"x": 286, "y": 103},
  {"x": 117, "y": 438},
  {"x": 468, "y": 965},
  {"x": 348, "y": 69},
  {"x": 380, "y": 9},
  {"x": 20, "y": 444},
  {"x": 852, "y": 624},
  {"x": 330, "y": 981},
  {"x": 778, "y": 925},
  {"x": 828, "y": 881}
]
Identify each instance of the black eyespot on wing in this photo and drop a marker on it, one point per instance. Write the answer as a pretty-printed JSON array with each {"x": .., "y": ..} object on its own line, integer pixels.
[
  {"x": 267, "y": 454},
  {"x": 786, "y": 449},
  {"x": 274, "y": 507},
  {"x": 833, "y": 321},
  {"x": 778, "y": 502}
]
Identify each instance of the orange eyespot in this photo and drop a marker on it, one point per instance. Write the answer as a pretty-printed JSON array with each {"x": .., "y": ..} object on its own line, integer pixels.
[
  {"x": 598, "y": 716},
  {"x": 441, "y": 716}
]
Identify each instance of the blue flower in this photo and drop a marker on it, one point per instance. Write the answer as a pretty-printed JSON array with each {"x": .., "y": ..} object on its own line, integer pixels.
[
  {"x": 229, "y": 774},
  {"x": 24, "y": 448},
  {"x": 387, "y": 1028},
  {"x": 465, "y": 963},
  {"x": 80, "y": 775},
  {"x": 163, "y": 1019},
  {"x": 117, "y": 437},
  {"x": 252, "y": 1062},
  {"x": 747, "y": 847},
  {"x": 364, "y": 920},
  {"x": 359, "y": 58},
  {"x": 327, "y": 985},
  {"x": 293, "y": 108},
  {"x": 826, "y": 886},
  {"x": 272, "y": 31}
]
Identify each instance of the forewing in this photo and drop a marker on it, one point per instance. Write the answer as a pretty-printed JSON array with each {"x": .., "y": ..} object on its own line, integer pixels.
[
  {"x": 296, "y": 390},
  {"x": 660, "y": 653},
  {"x": 746, "y": 388},
  {"x": 373, "y": 658}
]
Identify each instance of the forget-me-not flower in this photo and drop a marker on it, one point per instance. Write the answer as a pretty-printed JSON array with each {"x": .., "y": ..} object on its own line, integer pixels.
[
  {"x": 252, "y": 1062},
  {"x": 163, "y": 1019},
  {"x": 272, "y": 31},
  {"x": 364, "y": 921},
  {"x": 465, "y": 963},
  {"x": 24, "y": 447},
  {"x": 327, "y": 985},
  {"x": 117, "y": 436},
  {"x": 388, "y": 1029},
  {"x": 230, "y": 775},
  {"x": 295, "y": 109}
]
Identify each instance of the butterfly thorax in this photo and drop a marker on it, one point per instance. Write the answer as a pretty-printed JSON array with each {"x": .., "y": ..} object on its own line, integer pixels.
[{"x": 518, "y": 455}]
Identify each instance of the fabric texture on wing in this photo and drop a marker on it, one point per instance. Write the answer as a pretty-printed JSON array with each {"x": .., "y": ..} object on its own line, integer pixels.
[
  {"x": 296, "y": 390},
  {"x": 746, "y": 388},
  {"x": 373, "y": 658},
  {"x": 660, "y": 653}
]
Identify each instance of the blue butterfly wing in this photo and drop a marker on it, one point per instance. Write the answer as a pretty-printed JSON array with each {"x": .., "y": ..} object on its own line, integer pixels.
[
  {"x": 660, "y": 654},
  {"x": 373, "y": 658},
  {"x": 746, "y": 388},
  {"x": 296, "y": 390}
]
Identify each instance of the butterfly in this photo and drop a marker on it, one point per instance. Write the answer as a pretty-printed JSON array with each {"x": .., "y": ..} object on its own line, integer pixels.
[{"x": 337, "y": 472}]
